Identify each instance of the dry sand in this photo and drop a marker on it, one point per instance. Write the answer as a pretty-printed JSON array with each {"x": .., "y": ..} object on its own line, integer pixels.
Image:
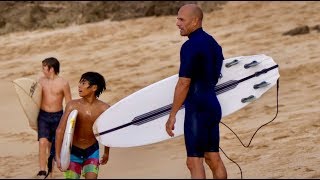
[{"x": 135, "y": 53}]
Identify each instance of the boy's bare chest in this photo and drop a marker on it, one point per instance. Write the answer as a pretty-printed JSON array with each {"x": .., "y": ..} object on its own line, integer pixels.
[
  {"x": 88, "y": 114},
  {"x": 52, "y": 88}
]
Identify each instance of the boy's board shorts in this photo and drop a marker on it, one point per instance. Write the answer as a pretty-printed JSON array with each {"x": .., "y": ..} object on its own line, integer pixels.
[
  {"x": 83, "y": 161},
  {"x": 48, "y": 123}
]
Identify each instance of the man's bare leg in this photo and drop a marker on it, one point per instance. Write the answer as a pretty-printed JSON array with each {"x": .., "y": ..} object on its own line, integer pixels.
[
  {"x": 216, "y": 165},
  {"x": 196, "y": 168}
]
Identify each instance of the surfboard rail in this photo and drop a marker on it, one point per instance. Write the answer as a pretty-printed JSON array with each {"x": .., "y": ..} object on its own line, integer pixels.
[{"x": 67, "y": 140}]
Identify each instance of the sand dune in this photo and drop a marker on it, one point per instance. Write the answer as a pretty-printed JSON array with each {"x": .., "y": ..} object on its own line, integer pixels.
[{"x": 132, "y": 54}]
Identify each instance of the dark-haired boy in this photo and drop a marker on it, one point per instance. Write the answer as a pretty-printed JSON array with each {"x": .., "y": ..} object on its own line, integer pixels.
[{"x": 84, "y": 159}]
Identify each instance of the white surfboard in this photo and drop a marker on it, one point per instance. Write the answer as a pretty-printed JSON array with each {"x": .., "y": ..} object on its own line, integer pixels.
[
  {"x": 139, "y": 119},
  {"x": 67, "y": 140},
  {"x": 29, "y": 94}
]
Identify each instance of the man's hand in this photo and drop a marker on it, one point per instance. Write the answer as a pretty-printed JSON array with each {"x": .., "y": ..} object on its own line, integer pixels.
[{"x": 170, "y": 125}]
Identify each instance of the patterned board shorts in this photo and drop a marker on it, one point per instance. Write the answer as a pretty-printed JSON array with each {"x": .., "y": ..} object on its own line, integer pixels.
[{"x": 83, "y": 161}]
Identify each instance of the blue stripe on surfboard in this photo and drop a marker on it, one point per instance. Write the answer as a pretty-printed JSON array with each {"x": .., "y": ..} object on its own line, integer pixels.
[
  {"x": 152, "y": 115},
  {"x": 165, "y": 110}
]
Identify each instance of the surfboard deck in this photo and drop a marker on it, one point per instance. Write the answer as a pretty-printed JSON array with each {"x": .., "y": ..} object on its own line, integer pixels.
[
  {"x": 67, "y": 140},
  {"x": 139, "y": 119},
  {"x": 29, "y": 93}
]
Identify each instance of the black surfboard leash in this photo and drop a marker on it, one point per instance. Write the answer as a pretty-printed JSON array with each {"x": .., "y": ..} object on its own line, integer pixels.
[
  {"x": 246, "y": 146},
  {"x": 49, "y": 164}
]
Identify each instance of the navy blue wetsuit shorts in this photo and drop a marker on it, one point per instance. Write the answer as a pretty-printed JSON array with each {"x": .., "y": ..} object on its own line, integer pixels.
[{"x": 201, "y": 126}]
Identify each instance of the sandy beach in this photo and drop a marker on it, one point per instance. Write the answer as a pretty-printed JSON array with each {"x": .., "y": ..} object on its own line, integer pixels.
[{"x": 133, "y": 54}]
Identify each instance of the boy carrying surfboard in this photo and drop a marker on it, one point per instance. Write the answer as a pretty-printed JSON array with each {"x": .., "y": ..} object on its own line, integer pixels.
[
  {"x": 54, "y": 90},
  {"x": 84, "y": 158}
]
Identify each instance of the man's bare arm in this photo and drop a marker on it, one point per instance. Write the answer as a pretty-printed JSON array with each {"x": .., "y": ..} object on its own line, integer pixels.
[{"x": 180, "y": 94}]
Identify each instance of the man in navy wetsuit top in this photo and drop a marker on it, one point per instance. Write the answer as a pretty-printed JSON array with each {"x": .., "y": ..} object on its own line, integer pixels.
[{"x": 200, "y": 65}]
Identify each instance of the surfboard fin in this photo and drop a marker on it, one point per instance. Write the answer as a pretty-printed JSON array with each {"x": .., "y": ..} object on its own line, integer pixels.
[
  {"x": 252, "y": 64},
  {"x": 248, "y": 99},
  {"x": 260, "y": 85},
  {"x": 234, "y": 62}
]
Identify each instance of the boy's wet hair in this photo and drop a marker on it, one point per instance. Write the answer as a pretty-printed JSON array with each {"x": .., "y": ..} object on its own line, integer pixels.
[
  {"x": 52, "y": 62},
  {"x": 95, "y": 78}
]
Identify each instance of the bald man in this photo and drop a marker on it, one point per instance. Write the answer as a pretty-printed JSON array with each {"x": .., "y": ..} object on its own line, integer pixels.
[{"x": 200, "y": 65}]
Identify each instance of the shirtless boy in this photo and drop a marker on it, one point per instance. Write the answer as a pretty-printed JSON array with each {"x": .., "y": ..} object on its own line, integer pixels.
[
  {"x": 54, "y": 90},
  {"x": 84, "y": 159}
]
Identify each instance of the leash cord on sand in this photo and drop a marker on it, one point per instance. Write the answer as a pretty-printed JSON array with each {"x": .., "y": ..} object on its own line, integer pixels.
[{"x": 246, "y": 146}]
